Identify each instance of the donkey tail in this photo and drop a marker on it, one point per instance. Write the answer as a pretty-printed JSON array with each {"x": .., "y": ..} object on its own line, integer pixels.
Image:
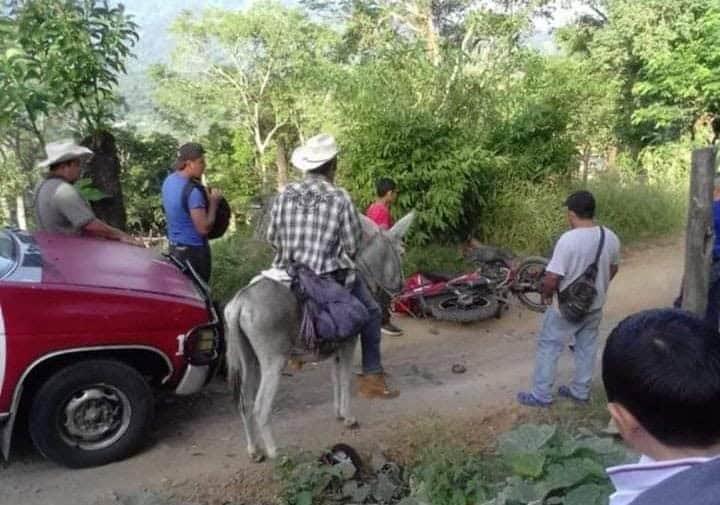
[{"x": 239, "y": 352}]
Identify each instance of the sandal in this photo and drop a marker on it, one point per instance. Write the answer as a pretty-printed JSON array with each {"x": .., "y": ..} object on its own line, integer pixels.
[
  {"x": 565, "y": 392},
  {"x": 529, "y": 400}
]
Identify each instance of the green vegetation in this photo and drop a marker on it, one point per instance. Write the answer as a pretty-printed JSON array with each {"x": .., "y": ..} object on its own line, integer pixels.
[
  {"x": 484, "y": 134},
  {"x": 533, "y": 463}
]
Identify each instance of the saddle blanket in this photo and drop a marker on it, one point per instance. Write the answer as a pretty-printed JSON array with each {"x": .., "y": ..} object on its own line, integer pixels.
[{"x": 274, "y": 274}]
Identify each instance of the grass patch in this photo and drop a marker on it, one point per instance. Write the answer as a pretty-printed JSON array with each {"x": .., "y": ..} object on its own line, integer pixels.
[{"x": 528, "y": 218}]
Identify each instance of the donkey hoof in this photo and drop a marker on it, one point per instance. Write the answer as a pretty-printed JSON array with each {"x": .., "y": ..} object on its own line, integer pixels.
[
  {"x": 351, "y": 423},
  {"x": 257, "y": 456}
]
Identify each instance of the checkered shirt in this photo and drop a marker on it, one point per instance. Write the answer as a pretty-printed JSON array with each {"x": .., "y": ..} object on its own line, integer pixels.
[{"x": 314, "y": 223}]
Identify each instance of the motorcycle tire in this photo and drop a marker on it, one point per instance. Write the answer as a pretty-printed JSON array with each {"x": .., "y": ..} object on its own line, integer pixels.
[
  {"x": 533, "y": 262},
  {"x": 445, "y": 308}
]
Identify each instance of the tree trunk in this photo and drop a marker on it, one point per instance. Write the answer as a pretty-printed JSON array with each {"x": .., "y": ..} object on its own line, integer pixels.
[
  {"x": 699, "y": 237},
  {"x": 282, "y": 166},
  {"x": 104, "y": 170},
  {"x": 21, "y": 218}
]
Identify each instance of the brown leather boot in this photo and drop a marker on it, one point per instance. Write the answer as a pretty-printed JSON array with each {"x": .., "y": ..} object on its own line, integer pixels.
[{"x": 374, "y": 386}]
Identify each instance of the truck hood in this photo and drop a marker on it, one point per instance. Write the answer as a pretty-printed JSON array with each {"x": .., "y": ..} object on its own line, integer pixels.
[{"x": 100, "y": 263}]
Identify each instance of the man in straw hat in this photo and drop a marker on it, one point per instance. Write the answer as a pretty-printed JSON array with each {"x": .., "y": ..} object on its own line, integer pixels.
[
  {"x": 59, "y": 207},
  {"x": 315, "y": 223}
]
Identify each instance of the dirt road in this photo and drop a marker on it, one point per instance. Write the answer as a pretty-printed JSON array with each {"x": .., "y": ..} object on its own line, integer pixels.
[{"x": 198, "y": 452}]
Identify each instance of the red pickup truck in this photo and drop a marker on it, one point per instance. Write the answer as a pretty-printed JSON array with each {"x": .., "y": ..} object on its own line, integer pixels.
[{"x": 88, "y": 330}]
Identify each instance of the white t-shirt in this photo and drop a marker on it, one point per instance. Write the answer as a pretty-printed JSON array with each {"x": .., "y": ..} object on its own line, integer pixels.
[{"x": 576, "y": 250}]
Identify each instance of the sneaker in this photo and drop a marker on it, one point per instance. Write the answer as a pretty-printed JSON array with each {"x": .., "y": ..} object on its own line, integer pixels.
[
  {"x": 565, "y": 392},
  {"x": 529, "y": 400},
  {"x": 391, "y": 330}
]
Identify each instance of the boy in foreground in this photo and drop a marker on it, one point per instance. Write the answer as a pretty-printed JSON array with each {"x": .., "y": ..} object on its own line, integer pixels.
[{"x": 661, "y": 370}]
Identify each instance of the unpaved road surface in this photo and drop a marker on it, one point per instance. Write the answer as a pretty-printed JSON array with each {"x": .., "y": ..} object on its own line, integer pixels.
[{"x": 197, "y": 452}]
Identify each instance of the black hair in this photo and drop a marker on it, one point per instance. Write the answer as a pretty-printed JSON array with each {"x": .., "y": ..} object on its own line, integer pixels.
[
  {"x": 663, "y": 366},
  {"x": 383, "y": 186},
  {"x": 327, "y": 169},
  {"x": 582, "y": 203},
  {"x": 188, "y": 152}
]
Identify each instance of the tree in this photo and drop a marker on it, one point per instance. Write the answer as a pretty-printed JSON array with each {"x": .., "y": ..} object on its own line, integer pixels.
[
  {"x": 63, "y": 63},
  {"x": 662, "y": 57},
  {"x": 262, "y": 71}
]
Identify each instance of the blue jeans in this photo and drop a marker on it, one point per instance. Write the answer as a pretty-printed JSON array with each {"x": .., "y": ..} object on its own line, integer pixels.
[
  {"x": 551, "y": 342},
  {"x": 370, "y": 333},
  {"x": 712, "y": 311}
]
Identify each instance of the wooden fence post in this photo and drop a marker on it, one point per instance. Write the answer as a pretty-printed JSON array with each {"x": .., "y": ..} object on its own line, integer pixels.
[{"x": 700, "y": 235}]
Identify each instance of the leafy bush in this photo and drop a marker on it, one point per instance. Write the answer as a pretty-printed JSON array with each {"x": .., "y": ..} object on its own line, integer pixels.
[
  {"x": 554, "y": 467},
  {"x": 146, "y": 160},
  {"x": 305, "y": 481},
  {"x": 237, "y": 258},
  {"x": 447, "y": 476},
  {"x": 433, "y": 258},
  {"x": 525, "y": 217},
  {"x": 534, "y": 464}
]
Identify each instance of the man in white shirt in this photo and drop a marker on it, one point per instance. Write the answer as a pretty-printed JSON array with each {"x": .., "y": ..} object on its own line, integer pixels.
[
  {"x": 577, "y": 249},
  {"x": 661, "y": 370}
]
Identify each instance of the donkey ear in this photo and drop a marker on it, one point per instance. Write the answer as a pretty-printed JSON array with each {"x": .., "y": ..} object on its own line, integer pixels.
[
  {"x": 369, "y": 227},
  {"x": 401, "y": 227}
]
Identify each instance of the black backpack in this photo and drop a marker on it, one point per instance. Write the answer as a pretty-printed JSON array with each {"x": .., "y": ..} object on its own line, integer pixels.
[
  {"x": 222, "y": 216},
  {"x": 575, "y": 300}
]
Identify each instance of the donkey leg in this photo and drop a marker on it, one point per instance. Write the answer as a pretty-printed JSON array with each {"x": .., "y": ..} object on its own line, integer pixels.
[
  {"x": 243, "y": 374},
  {"x": 344, "y": 371},
  {"x": 337, "y": 395},
  {"x": 250, "y": 385},
  {"x": 269, "y": 381}
]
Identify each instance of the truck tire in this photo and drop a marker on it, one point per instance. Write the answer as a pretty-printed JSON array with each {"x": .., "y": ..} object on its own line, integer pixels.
[{"x": 91, "y": 413}]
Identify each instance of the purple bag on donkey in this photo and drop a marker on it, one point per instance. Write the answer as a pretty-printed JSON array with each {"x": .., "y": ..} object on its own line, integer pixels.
[{"x": 330, "y": 313}]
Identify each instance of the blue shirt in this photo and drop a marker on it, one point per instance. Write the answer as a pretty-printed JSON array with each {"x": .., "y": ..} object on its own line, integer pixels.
[
  {"x": 716, "y": 222},
  {"x": 180, "y": 228}
]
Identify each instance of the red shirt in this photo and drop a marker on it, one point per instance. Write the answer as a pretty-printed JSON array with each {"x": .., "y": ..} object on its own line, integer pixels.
[{"x": 380, "y": 214}]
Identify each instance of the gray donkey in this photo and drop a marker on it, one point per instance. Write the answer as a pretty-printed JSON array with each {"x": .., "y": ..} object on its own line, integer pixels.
[{"x": 263, "y": 320}]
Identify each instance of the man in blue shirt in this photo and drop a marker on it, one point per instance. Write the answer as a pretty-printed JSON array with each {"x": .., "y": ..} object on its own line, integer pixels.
[
  {"x": 712, "y": 313},
  {"x": 189, "y": 210}
]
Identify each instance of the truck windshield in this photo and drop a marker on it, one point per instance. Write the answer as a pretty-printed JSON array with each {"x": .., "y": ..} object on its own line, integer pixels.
[{"x": 8, "y": 253}]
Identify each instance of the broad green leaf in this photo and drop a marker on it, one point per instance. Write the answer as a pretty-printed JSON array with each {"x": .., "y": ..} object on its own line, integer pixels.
[
  {"x": 526, "y": 464},
  {"x": 589, "y": 494},
  {"x": 304, "y": 498},
  {"x": 571, "y": 472},
  {"x": 527, "y": 438}
]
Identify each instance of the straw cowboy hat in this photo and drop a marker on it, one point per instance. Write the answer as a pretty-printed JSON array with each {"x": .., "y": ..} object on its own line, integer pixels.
[
  {"x": 317, "y": 151},
  {"x": 63, "y": 150}
]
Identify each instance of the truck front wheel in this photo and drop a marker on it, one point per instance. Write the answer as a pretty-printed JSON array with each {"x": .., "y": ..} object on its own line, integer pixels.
[{"x": 91, "y": 413}]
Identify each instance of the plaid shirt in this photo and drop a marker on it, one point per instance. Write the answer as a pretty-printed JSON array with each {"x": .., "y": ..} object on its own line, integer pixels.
[{"x": 316, "y": 224}]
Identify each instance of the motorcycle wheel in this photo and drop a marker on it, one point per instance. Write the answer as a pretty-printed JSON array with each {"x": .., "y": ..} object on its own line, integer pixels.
[
  {"x": 528, "y": 278},
  {"x": 447, "y": 308}
]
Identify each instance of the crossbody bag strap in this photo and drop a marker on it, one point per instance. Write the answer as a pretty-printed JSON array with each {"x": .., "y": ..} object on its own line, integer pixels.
[{"x": 600, "y": 246}]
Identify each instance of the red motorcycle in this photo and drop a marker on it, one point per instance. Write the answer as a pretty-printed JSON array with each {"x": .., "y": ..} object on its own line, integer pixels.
[{"x": 477, "y": 295}]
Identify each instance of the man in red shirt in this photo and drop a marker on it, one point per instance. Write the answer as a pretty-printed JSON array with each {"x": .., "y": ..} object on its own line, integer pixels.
[{"x": 379, "y": 212}]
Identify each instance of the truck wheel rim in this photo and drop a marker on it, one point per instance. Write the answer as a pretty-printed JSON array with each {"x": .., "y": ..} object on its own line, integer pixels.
[{"x": 95, "y": 417}]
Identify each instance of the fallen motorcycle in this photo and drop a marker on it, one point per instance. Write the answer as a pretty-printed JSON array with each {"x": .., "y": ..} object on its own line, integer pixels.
[{"x": 481, "y": 294}]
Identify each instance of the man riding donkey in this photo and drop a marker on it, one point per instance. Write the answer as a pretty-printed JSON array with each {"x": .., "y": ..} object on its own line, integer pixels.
[{"x": 314, "y": 223}]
